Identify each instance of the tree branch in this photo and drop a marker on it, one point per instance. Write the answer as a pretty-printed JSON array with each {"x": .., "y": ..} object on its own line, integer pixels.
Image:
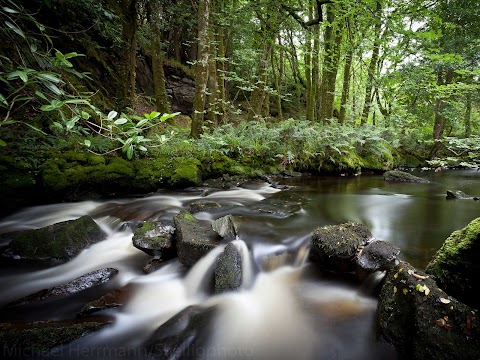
[{"x": 306, "y": 24}]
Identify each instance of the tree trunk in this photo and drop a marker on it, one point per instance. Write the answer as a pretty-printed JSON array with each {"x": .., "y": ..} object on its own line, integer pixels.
[
  {"x": 333, "y": 38},
  {"x": 439, "y": 125},
  {"x": 373, "y": 64},
  {"x": 201, "y": 76},
  {"x": 468, "y": 114},
  {"x": 222, "y": 96},
  {"x": 126, "y": 84},
  {"x": 258, "y": 95},
  {"x": 277, "y": 87},
  {"x": 159, "y": 88},
  {"x": 212, "y": 80},
  {"x": 310, "y": 109},
  {"x": 346, "y": 86},
  {"x": 315, "y": 67}
]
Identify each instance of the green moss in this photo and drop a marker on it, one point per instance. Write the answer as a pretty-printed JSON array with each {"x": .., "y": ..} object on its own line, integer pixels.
[
  {"x": 456, "y": 265},
  {"x": 187, "y": 216},
  {"x": 146, "y": 226},
  {"x": 42, "y": 336},
  {"x": 186, "y": 172},
  {"x": 59, "y": 241}
]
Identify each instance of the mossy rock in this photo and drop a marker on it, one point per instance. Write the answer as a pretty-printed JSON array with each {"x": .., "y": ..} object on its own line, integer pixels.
[
  {"x": 37, "y": 339},
  {"x": 228, "y": 270},
  {"x": 456, "y": 266},
  {"x": 56, "y": 243},
  {"x": 194, "y": 238},
  {"x": 424, "y": 322},
  {"x": 152, "y": 174},
  {"x": 334, "y": 247},
  {"x": 401, "y": 176},
  {"x": 87, "y": 171},
  {"x": 186, "y": 172},
  {"x": 155, "y": 239}
]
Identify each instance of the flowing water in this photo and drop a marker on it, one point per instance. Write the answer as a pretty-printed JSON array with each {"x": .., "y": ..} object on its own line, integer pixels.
[{"x": 286, "y": 308}]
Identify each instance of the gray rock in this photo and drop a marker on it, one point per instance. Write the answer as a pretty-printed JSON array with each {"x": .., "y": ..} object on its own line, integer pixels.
[
  {"x": 204, "y": 206},
  {"x": 194, "y": 238},
  {"x": 56, "y": 243},
  {"x": 36, "y": 340},
  {"x": 182, "y": 335},
  {"x": 152, "y": 265},
  {"x": 422, "y": 321},
  {"x": 226, "y": 227},
  {"x": 456, "y": 265},
  {"x": 228, "y": 270},
  {"x": 77, "y": 285},
  {"x": 401, "y": 176},
  {"x": 112, "y": 299},
  {"x": 155, "y": 239},
  {"x": 334, "y": 247},
  {"x": 457, "y": 194},
  {"x": 377, "y": 255}
]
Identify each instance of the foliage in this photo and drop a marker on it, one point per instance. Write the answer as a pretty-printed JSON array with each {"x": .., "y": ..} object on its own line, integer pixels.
[{"x": 458, "y": 152}]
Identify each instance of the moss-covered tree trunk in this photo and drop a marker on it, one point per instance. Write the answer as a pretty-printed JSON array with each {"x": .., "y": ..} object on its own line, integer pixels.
[
  {"x": 310, "y": 110},
  {"x": 315, "y": 67},
  {"x": 333, "y": 38},
  {"x": 201, "y": 76},
  {"x": 212, "y": 96},
  {"x": 346, "y": 86},
  {"x": 126, "y": 82},
  {"x": 222, "y": 96},
  {"x": 373, "y": 64},
  {"x": 468, "y": 114},
  {"x": 159, "y": 88}
]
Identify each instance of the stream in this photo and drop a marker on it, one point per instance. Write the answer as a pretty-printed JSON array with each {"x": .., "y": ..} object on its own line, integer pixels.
[{"x": 287, "y": 308}]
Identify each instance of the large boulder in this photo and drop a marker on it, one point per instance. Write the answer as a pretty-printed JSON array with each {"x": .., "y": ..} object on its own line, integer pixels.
[
  {"x": 155, "y": 239},
  {"x": 204, "y": 206},
  {"x": 183, "y": 336},
  {"x": 228, "y": 270},
  {"x": 35, "y": 340},
  {"x": 376, "y": 256},
  {"x": 226, "y": 227},
  {"x": 422, "y": 321},
  {"x": 334, "y": 247},
  {"x": 456, "y": 266},
  {"x": 401, "y": 176},
  {"x": 56, "y": 243},
  {"x": 84, "y": 282},
  {"x": 194, "y": 238}
]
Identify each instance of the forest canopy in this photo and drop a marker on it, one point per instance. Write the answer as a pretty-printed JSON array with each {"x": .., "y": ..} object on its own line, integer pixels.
[{"x": 126, "y": 78}]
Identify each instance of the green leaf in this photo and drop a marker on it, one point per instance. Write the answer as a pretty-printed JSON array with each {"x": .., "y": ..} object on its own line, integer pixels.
[
  {"x": 2, "y": 143},
  {"x": 142, "y": 148},
  {"x": 15, "y": 28},
  {"x": 3, "y": 100},
  {"x": 120, "y": 121},
  {"x": 130, "y": 152},
  {"x": 34, "y": 128},
  {"x": 168, "y": 116},
  {"x": 142, "y": 122},
  {"x": 75, "y": 101},
  {"x": 52, "y": 87},
  {"x": 87, "y": 143},
  {"x": 52, "y": 77},
  {"x": 10, "y": 10},
  {"x": 40, "y": 95},
  {"x": 112, "y": 115},
  {"x": 85, "y": 115}
]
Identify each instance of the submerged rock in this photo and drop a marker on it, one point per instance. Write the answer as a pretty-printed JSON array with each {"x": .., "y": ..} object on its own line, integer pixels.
[
  {"x": 456, "y": 266},
  {"x": 401, "y": 176},
  {"x": 155, "y": 239},
  {"x": 152, "y": 265},
  {"x": 228, "y": 270},
  {"x": 204, "y": 206},
  {"x": 377, "y": 256},
  {"x": 183, "y": 336},
  {"x": 34, "y": 340},
  {"x": 56, "y": 243},
  {"x": 334, "y": 247},
  {"x": 194, "y": 238},
  {"x": 226, "y": 227},
  {"x": 112, "y": 299},
  {"x": 84, "y": 282},
  {"x": 422, "y": 321},
  {"x": 457, "y": 194}
]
